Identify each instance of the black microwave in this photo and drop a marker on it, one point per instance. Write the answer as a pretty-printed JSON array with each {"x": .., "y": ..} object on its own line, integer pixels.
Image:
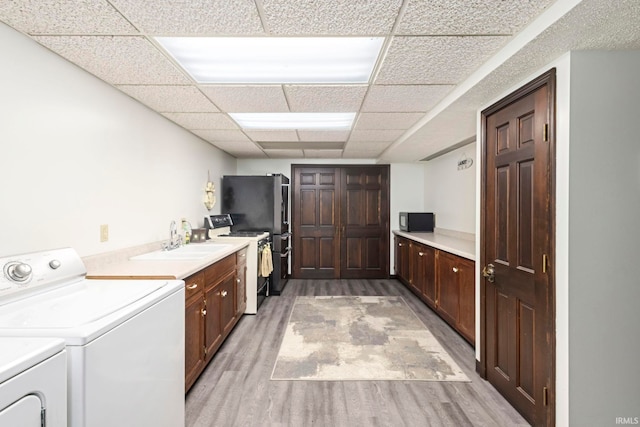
[{"x": 416, "y": 221}]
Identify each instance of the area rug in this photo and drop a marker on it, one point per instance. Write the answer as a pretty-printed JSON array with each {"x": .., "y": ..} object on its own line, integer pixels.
[{"x": 342, "y": 338}]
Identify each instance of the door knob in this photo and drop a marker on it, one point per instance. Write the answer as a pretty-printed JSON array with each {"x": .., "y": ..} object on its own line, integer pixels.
[{"x": 489, "y": 272}]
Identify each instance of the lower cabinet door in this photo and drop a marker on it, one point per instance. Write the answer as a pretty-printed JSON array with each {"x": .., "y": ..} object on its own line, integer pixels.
[
  {"x": 227, "y": 303},
  {"x": 212, "y": 324},
  {"x": 466, "y": 280},
  {"x": 193, "y": 339},
  {"x": 448, "y": 292},
  {"x": 429, "y": 276}
]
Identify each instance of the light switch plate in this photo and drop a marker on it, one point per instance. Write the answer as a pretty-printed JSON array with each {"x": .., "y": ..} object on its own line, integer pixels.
[{"x": 104, "y": 232}]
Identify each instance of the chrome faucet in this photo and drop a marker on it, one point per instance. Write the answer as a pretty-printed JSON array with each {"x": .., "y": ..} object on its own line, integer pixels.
[{"x": 174, "y": 240}]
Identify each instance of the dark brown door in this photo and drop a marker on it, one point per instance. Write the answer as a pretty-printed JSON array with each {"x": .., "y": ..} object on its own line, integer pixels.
[
  {"x": 340, "y": 221},
  {"x": 518, "y": 342},
  {"x": 316, "y": 235},
  {"x": 364, "y": 219}
]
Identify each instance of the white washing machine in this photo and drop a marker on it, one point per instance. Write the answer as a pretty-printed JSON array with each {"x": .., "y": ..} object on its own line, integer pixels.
[
  {"x": 124, "y": 339},
  {"x": 33, "y": 382}
]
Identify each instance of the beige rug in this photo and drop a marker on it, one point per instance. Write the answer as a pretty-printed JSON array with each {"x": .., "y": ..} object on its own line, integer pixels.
[{"x": 360, "y": 338}]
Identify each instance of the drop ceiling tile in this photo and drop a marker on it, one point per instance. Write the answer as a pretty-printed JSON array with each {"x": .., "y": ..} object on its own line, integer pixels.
[
  {"x": 64, "y": 17},
  {"x": 215, "y": 136},
  {"x": 361, "y": 154},
  {"x": 117, "y": 60},
  {"x": 240, "y": 149},
  {"x": 169, "y": 99},
  {"x": 436, "y": 60},
  {"x": 323, "y": 154},
  {"x": 200, "y": 121},
  {"x": 379, "y": 135},
  {"x": 248, "y": 99},
  {"x": 387, "y": 120},
  {"x": 448, "y": 17},
  {"x": 193, "y": 17},
  {"x": 273, "y": 135},
  {"x": 330, "y": 17},
  {"x": 280, "y": 154},
  {"x": 323, "y": 136},
  {"x": 404, "y": 98},
  {"x": 366, "y": 146},
  {"x": 334, "y": 99},
  {"x": 275, "y": 145}
]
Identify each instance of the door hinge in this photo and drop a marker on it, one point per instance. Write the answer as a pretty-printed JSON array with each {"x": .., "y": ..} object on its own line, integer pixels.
[
  {"x": 545, "y": 132},
  {"x": 545, "y": 396},
  {"x": 545, "y": 263},
  {"x": 204, "y": 348}
]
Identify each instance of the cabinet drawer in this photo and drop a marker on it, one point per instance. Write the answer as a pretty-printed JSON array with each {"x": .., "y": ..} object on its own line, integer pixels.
[
  {"x": 194, "y": 285},
  {"x": 215, "y": 272},
  {"x": 241, "y": 256}
]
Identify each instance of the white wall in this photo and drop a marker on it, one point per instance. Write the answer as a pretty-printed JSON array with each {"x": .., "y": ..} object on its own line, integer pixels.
[
  {"x": 77, "y": 153},
  {"x": 604, "y": 238},
  {"x": 451, "y": 193},
  {"x": 406, "y": 183}
]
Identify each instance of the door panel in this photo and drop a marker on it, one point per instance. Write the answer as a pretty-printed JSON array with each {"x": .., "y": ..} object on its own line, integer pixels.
[
  {"x": 340, "y": 221},
  {"x": 364, "y": 219},
  {"x": 316, "y": 243},
  {"x": 517, "y": 321}
]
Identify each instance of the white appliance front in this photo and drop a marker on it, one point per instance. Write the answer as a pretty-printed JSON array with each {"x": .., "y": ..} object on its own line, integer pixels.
[
  {"x": 33, "y": 382},
  {"x": 124, "y": 343}
]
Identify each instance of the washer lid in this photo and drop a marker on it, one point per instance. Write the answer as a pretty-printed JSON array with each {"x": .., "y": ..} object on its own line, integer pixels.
[
  {"x": 19, "y": 354},
  {"x": 84, "y": 310}
]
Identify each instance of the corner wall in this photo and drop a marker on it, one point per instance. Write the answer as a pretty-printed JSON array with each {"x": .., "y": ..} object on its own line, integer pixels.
[
  {"x": 450, "y": 192},
  {"x": 604, "y": 238},
  {"x": 78, "y": 153}
]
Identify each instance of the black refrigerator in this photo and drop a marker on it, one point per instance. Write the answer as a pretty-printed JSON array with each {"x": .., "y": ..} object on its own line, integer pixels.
[{"x": 261, "y": 203}]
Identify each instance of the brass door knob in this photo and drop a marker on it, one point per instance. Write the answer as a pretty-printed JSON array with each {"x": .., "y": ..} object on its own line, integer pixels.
[{"x": 489, "y": 273}]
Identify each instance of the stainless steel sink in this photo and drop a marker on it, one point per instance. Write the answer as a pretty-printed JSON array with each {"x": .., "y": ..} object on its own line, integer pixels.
[{"x": 184, "y": 253}]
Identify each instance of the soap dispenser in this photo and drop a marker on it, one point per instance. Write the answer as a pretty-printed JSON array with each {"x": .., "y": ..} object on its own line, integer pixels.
[{"x": 186, "y": 229}]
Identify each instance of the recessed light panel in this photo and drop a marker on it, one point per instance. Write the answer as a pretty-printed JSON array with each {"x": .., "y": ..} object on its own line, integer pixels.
[
  {"x": 318, "y": 121},
  {"x": 275, "y": 60}
]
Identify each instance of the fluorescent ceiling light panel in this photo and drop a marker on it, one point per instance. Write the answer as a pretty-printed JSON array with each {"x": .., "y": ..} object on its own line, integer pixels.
[
  {"x": 275, "y": 60},
  {"x": 317, "y": 121}
]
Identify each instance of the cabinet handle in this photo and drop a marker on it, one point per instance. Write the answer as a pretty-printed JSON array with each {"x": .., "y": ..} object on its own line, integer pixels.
[
  {"x": 243, "y": 254},
  {"x": 203, "y": 312},
  {"x": 192, "y": 287},
  {"x": 455, "y": 269},
  {"x": 400, "y": 244},
  {"x": 421, "y": 253},
  {"x": 238, "y": 280},
  {"x": 224, "y": 294}
]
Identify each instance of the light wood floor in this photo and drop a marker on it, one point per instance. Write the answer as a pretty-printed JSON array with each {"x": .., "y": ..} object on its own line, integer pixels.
[{"x": 236, "y": 390}]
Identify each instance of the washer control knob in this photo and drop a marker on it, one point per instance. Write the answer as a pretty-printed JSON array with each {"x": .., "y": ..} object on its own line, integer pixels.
[
  {"x": 19, "y": 271},
  {"x": 54, "y": 264}
]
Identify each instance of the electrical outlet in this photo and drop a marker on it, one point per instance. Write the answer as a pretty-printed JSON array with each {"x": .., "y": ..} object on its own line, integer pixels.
[{"x": 104, "y": 232}]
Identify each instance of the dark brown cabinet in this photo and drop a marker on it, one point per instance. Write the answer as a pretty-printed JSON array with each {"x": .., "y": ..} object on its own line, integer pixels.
[
  {"x": 444, "y": 281},
  {"x": 214, "y": 301},
  {"x": 194, "y": 328}
]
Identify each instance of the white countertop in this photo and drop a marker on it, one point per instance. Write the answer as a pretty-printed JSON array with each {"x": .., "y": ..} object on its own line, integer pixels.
[
  {"x": 457, "y": 246},
  {"x": 118, "y": 267}
]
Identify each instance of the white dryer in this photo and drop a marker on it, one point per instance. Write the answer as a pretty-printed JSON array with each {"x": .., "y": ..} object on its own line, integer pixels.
[
  {"x": 124, "y": 339},
  {"x": 33, "y": 382}
]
